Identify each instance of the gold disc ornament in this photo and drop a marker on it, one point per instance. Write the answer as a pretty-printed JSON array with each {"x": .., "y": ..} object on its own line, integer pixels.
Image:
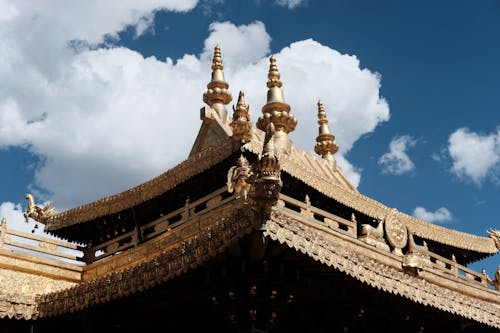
[{"x": 395, "y": 231}]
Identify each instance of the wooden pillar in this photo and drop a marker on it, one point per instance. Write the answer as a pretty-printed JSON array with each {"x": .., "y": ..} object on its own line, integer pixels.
[{"x": 137, "y": 227}]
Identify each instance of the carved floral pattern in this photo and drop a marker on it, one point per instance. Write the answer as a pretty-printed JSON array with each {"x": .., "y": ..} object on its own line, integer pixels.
[{"x": 18, "y": 292}]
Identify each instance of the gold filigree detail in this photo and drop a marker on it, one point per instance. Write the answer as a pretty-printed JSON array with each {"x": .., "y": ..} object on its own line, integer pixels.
[
  {"x": 395, "y": 232},
  {"x": 241, "y": 125},
  {"x": 238, "y": 178},
  {"x": 329, "y": 251}
]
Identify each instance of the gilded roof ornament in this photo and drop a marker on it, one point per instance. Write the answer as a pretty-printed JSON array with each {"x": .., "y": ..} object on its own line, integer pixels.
[
  {"x": 274, "y": 75},
  {"x": 325, "y": 141},
  {"x": 241, "y": 126},
  {"x": 36, "y": 212},
  {"x": 495, "y": 235},
  {"x": 267, "y": 185},
  {"x": 217, "y": 94},
  {"x": 276, "y": 111},
  {"x": 239, "y": 178},
  {"x": 269, "y": 165}
]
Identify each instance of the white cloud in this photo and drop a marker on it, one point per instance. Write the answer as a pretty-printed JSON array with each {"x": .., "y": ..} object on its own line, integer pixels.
[
  {"x": 397, "y": 161},
  {"x": 351, "y": 172},
  {"x": 104, "y": 119},
  {"x": 441, "y": 215},
  {"x": 242, "y": 45},
  {"x": 13, "y": 214},
  {"x": 290, "y": 4},
  {"x": 475, "y": 157}
]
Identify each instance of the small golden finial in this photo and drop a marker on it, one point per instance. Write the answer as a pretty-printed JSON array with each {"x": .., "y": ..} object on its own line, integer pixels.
[
  {"x": 241, "y": 126},
  {"x": 217, "y": 59},
  {"x": 241, "y": 104},
  {"x": 276, "y": 111},
  {"x": 217, "y": 94},
  {"x": 325, "y": 141},
  {"x": 273, "y": 75}
]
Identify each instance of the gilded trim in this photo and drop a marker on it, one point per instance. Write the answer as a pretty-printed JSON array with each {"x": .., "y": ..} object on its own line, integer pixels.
[
  {"x": 220, "y": 230},
  {"x": 355, "y": 200},
  {"x": 330, "y": 184},
  {"x": 329, "y": 251}
]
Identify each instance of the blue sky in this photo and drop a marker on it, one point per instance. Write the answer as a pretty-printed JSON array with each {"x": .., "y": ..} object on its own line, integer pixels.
[{"x": 90, "y": 95}]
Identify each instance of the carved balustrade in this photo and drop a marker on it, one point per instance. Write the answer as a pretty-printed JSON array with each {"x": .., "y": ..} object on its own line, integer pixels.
[
  {"x": 18, "y": 241},
  {"x": 453, "y": 268},
  {"x": 161, "y": 225},
  {"x": 306, "y": 210},
  {"x": 23, "y": 242}
]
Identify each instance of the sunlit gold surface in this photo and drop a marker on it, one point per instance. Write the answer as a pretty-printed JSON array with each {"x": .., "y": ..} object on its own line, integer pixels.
[
  {"x": 241, "y": 125},
  {"x": 384, "y": 255},
  {"x": 276, "y": 111},
  {"x": 325, "y": 141},
  {"x": 217, "y": 94}
]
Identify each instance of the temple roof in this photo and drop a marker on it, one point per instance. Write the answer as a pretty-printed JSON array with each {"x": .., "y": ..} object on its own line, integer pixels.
[
  {"x": 310, "y": 169},
  {"x": 215, "y": 142},
  {"x": 185, "y": 238}
]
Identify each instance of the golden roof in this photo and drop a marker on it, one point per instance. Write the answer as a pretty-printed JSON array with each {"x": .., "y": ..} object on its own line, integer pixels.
[
  {"x": 117, "y": 276},
  {"x": 214, "y": 143},
  {"x": 310, "y": 169},
  {"x": 34, "y": 288}
]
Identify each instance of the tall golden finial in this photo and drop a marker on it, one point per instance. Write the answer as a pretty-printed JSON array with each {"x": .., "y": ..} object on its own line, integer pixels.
[
  {"x": 217, "y": 94},
  {"x": 325, "y": 141},
  {"x": 241, "y": 126},
  {"x": 276, "y": 111}
]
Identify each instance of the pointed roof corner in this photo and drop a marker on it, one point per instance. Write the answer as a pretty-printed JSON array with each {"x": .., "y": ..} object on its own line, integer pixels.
[
  {"x": 325, "y": 141},
  {"x": 241, "y": 126},
  {"x": 217, "y": 94}
]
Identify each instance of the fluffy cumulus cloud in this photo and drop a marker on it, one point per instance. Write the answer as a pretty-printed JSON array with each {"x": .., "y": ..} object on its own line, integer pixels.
[
  {"x": 242, "y": 45},
  {"x": 397, "y": 161},
  {"x": 475, "y": 157},
  {"x": 441, "y": 215},
  {"x": 103, "y": 119}
]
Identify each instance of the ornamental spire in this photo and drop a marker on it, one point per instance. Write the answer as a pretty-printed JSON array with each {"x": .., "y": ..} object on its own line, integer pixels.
[
  {"x": 276, "y": 111},
  {"x": 241, "y": 126},
  {"x": 325, "y": 141},
  {"x": 217, "y": 94}
]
